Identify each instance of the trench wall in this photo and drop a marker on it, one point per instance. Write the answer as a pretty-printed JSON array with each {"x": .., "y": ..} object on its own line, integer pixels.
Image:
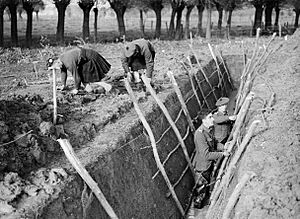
[{"x": 128, "y": 175}]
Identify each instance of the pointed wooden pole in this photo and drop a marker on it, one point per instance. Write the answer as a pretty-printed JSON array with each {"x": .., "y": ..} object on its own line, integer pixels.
[
  {"x": 181, "y": 100},
  {"x": 69, "y": 152},
  {"x": 173, "y": 125},
  {"x": 153, "y": 144}
]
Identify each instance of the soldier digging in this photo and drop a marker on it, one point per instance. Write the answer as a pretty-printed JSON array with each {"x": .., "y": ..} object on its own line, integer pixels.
[
  {"x": 86, "y": 65},
  {"x": 138, "y": 55}
]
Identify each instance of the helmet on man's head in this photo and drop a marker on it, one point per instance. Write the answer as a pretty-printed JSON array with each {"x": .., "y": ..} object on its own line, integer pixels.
[
  {"x": 222, "y": 101},
  {"x": 130, "y": 49}
]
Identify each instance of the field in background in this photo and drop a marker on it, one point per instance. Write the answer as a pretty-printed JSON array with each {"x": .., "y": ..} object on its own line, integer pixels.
[{"x": 108, "y": 27}]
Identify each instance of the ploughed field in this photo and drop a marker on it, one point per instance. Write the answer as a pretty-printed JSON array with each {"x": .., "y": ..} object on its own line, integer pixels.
[{"x": 28, "y": 148}]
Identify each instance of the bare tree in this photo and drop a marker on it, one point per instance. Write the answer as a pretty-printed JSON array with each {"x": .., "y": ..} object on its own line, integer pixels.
[
  {"x": 61, "y": 6},
  {"x": 177, "y": 6},
  {"x": 200, "y": 9},
  {"x": 190, "y": 4},
  {"x": 3, "y": 4},
  {"x": 86, "y": 6},
  {"x": 296, "y": 5},
  {"x": 208, "y": 6},
  {"x": 258, "y": 4},
  {"x": 120, "y": 6},
  {"x": 12, "y": 5},
  {"x": 29, "y": 6}
]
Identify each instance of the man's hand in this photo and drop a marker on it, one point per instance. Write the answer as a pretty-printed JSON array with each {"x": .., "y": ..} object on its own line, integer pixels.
[
  {"x": 227, "y": 145},
  {"x": 232, "y": 118},
  {"x": 226, "y": 154},
  {"x": 74, "y": 91}
]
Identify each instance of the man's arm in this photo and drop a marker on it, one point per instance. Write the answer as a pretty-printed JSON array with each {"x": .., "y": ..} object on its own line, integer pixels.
[
  {"x": 146, "y": 52},
  {"x": 124, "y": 61},
  {"x": 220, "y": 118},
  {"x": 203, "y": 147}
]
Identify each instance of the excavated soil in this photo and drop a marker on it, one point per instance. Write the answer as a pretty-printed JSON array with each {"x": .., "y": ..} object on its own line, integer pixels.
[{"x": 26, "y": 109}]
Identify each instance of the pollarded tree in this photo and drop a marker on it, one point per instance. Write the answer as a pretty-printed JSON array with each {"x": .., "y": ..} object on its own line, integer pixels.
[
  {"x": 200, "y": 8},
  {"x": 86, "y": 6},
  {"x": 190, "y": 4},
  {"x": 12, "y": 5},
  {"x": 258, "y": 4},
  {"x": 208, "y": 6},
  {"x": 296, "y": 5},
  {"x": 61, "y": 6},
  {"x": 177, "y": 6},
  {"x": 120, "y": 6},
  {"x": 219, "y": 7},
  {"x": 29, "y": 6},
  {"x": 3, "y": 4},
  {"x": 157, "y": 6}
]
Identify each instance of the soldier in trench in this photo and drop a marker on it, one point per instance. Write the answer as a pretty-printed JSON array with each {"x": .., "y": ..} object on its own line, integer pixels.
[
  {"x": 136, "y": 56},
  {"x": 208, "y": 151},
  {"x": 222, "y": 121},
  {"x": 86, "y": 65}
]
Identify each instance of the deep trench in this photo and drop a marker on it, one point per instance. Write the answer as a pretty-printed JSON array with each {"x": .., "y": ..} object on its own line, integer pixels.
[{"x": 126, "y": 175}]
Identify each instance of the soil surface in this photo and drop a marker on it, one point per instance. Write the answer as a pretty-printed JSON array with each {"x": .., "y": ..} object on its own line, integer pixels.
[{"x": 28, "y": 145}]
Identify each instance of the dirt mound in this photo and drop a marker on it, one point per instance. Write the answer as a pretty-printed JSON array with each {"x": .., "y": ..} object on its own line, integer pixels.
[{"x": 275, "y": 151}]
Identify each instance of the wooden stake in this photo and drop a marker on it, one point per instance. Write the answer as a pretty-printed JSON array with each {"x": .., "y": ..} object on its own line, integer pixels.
[
  {"x": 173, "y": 125},
  {"x": 226, "y": 70},
  {"x": 193, "y": 86},
  {"x": 181, "y": 100},
  {"x": 236, "y": 193},
  {"x": 221, "y": 78},
  {"x": 239, "y": 152},
  {"x": 54, "y": 97},
  {"x": 202, "y": 70},
  {"x": 199, "y": 84},
  {"x": 69, "y": 152},
  {"x": 153, "y": 144}
]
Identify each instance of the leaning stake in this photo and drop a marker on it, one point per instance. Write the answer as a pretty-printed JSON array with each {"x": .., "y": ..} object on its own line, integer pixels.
[
  {"x": 69, "y": 152},
  {"x": 181, "y": 100},
  {"x": 173, "y": 125},
  {"x": 154, "y": 148},
  {"x": 236, "y": 193}
]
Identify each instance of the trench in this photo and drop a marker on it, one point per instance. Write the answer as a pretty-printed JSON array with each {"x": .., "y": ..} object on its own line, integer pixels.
[{"x": 124, "y": 167}]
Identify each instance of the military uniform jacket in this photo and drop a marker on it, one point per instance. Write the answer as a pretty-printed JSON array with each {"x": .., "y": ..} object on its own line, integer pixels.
[
  {"x": 222, "y": 126},
  {"x": 206, "y": 149},
  {"x": 144, "y": 59}
]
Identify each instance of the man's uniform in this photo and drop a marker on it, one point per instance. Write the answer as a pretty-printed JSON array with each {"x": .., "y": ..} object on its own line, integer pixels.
[
  {"x": 208, "y": 150},
  {"x": 222, "y": 123},
  {"x": 138, "y": 54}
]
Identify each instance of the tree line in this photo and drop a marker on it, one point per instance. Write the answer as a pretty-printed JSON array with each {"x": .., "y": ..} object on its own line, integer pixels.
[{"x": 175, "y": 29}]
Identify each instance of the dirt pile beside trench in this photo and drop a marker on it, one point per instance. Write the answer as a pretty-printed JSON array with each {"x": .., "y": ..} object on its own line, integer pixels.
[{"x": 274, "y": 153}]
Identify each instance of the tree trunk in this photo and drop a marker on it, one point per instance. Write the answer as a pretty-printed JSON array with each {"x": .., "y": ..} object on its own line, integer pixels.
[
  {"x": 297, "y": 11},
  {"x": 220, "y": 13},
  {"x": 14, "y": 24},
  {"x": 95, "y": 24},
  {"x": 208, "y": 25},
  {"x": 121, "y": 25},
  {"x": 268, "y": 16},
  {"x": 178, "y": 32},
  {"x": 187, "y": 21},
  {"x": 171, "y": 26},
  {"x": 277, "y": 11},
  {"x": 1, "y": 26},
  {"x": 86, "y": 23},
  {"x": 158, "y": 22},
  {"x": 142, "y": 27},
  {"x": 228, "y": 26},
  {"x": 29, "y": 27},
  {"x": 60, "y": 30},
  {"x": 200, "y": 9},
  {"x": 257, "y": 18}
]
